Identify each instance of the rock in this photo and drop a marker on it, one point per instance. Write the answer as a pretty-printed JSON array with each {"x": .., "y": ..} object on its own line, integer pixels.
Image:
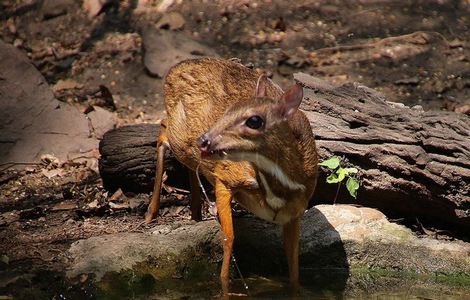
[
  {"x": 33, "y": 122},
  {"x": 371, "y": 241},
  {"x": 163, "y": 254},
  {"x": 101, "y": 120},
  {"x": 172, "y": 20},
  {"x": 336, "y": 237},
  {"x": 164, "y": 49},
  {"x": 344, "y": 236},
  {"x": 54, "y": 8}
]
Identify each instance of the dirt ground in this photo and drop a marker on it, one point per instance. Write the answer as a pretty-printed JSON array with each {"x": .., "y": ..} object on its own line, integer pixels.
[{"x": 380, "y": 43}]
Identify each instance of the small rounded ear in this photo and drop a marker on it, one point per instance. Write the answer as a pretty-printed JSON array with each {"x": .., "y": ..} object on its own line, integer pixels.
[
  {"x": 290, "y": 100},
  {"x": 261, "y": 86}
]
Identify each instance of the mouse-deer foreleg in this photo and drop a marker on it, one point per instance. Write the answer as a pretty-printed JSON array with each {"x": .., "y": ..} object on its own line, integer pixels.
[
  {"x": 223, "y": 202},
  {"x": 162, "y": 145}
]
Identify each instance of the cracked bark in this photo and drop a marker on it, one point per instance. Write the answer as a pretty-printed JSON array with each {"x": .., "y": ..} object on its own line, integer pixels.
[
  {"x": 128, "y": 160},
  {"x": 412, "y": 163}
]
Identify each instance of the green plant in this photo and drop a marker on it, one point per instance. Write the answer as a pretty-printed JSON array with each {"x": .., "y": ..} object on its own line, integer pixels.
[{"x": 338, "y": 174}]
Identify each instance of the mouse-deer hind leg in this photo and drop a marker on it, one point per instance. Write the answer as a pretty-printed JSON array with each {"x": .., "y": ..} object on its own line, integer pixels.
[
  {"x": 162, "y": 145},
  {"x": 196, "y": 200}
]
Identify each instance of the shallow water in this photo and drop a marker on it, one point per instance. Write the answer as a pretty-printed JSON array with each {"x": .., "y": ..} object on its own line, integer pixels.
[
  {"x": 316, "y": 284},
  {"x": 321, "y": 285}
]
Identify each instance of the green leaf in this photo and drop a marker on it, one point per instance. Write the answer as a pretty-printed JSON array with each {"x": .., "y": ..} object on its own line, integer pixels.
[
  {"x": 5, "y": 259},
  {"x": 350, "y": 170},
  {"x": 341, "y": 174},
  {"x": 352, "y": 185},
  {"x": 331, "y": 163},
  {"x": 333, "y": 178}
]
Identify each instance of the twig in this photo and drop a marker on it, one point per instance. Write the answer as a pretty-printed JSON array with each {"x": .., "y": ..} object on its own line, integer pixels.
[
  {"x": 345, "y": 48},
  {"x": 138, "y": 225},
  {"x": 337, "y": 192},
  {"x": 11, "y": 164}
]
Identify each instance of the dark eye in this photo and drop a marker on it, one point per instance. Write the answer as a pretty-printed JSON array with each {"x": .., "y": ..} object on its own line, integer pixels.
[{"x": 254, "y": 122}]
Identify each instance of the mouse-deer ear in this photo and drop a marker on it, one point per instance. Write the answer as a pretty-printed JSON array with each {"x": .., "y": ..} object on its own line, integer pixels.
[
  {"x": 261, "y": 86},
  {"x": 290, "y": 100}
]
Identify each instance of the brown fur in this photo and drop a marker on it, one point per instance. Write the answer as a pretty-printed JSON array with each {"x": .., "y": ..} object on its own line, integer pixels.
[
  {"x": 215, "y": 97},
  {"x": 205, "y": 89}
]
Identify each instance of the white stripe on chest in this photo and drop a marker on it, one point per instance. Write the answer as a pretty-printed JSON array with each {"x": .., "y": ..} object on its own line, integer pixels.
[
  {"x": 273, "y": 201},
  {"x": 268, "y": 166}
]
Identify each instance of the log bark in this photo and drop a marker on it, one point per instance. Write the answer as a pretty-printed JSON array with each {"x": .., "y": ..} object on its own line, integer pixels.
[
  {"x": 128, "y": 160},
  {"x": 412, "y": 163}
]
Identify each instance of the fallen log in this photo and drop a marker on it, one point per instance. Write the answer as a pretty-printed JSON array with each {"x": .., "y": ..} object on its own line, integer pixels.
[
  {"x": 128, "y": 160},
  {"x": 412, "y": 163}
]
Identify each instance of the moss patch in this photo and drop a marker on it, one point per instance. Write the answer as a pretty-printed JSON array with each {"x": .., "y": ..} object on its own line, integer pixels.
[
  {"x": 399, "y": 232},
  {"x": 460, "y": 280},
  {"x": 455, "y": 279}
]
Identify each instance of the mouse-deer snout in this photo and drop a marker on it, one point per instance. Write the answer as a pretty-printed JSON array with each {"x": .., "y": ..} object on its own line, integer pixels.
[{"x": 204, "y": 143}]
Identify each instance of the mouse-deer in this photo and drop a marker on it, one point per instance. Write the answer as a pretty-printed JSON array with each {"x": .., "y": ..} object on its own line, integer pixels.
[{"x": 250, "y": 141}]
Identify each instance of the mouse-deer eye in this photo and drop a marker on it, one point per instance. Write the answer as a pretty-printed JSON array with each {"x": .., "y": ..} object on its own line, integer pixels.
[{"x": 254, "y": 122}]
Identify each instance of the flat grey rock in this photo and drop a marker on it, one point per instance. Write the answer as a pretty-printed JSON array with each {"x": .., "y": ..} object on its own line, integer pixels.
[
  {"x": 33, "y": 122},
  {"x": 165, "y": 252},
  {"x": 102, "y": 121},
  {"x": 333, "y": 237}
]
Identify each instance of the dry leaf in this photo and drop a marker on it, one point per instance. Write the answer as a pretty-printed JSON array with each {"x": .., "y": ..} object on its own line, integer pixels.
[
  {"x": 94, "y": 7},
  {"x": 119, "y": 206},
  {"x": 64, "y": 206},
  {"x": 93, "y": 204},
  {"x": 52, "y": 173},
  {"x": 66, "y": 84},
  {"x": 49, "y": 159},
  {"x": 118, "y": 196}
]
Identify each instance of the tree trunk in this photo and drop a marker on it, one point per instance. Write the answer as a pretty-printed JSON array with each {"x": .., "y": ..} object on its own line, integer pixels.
[{"x": 412, "y": 163}]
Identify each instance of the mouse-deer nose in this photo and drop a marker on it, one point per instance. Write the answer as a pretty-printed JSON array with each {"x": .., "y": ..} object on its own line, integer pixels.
[{"x": 204, "y": 143}]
